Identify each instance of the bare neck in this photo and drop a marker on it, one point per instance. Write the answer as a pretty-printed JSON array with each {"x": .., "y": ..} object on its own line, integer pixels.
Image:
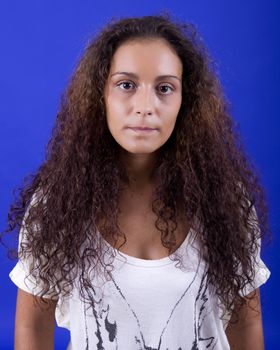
[{"x": 140, "y": 169}]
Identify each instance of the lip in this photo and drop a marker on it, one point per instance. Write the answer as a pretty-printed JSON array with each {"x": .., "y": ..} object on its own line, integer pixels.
[{"x": 141, "y": 128}]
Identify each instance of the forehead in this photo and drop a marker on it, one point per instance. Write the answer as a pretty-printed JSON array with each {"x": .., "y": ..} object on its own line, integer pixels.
[{"x": 149, "y": 55}]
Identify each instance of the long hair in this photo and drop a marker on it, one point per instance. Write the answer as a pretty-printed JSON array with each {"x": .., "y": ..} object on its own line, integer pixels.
[{"x": 203, "y": 167}]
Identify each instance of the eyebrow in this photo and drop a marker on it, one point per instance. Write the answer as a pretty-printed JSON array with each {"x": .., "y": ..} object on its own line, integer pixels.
[{"x": 135, "y": 76}]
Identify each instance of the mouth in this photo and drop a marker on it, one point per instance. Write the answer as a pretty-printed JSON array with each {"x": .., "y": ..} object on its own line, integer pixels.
[
  {"x": 140, "y": 129},
  {"x": 143, "y": 130}
]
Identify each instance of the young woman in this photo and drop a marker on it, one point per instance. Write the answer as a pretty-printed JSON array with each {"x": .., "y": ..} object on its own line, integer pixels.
[{"x": 142, "y": 229}]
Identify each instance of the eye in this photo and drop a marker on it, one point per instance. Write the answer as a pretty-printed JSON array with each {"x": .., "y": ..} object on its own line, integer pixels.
[
  {"x": 126, "y": 85},
  {"x": 165, "y": 89}
]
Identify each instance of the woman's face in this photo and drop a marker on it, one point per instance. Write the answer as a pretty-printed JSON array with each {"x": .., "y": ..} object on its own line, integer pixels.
[{"x": 143, "y": 94}]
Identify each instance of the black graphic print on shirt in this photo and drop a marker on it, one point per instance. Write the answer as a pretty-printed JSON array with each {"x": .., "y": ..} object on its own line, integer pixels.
[
  {"x": 106, "y": 333},
  {"x": 201, "y": 309}
]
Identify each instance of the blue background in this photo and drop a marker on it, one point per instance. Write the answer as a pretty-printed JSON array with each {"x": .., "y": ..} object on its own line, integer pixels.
[{"x": 41, "y": 42}]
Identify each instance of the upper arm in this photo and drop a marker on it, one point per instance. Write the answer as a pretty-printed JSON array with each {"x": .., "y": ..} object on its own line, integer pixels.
[
  {"x": 249, "y": 326},
  {"x": 34, "y": 322}
]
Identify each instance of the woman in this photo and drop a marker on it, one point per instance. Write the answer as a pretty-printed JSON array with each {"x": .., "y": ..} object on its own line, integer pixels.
[{"x": 140, "y": 229}]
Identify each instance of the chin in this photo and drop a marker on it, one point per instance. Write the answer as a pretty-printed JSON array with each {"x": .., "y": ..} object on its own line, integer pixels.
[
  {"x": 133, "y": 151},
  {"x": 140, "y": 150}
]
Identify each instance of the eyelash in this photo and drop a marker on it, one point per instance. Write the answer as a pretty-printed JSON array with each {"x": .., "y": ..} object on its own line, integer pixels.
[{"x": 129, "y": 82}]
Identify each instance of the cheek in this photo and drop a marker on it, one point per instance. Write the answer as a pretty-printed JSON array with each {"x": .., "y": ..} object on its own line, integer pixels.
[
  {"x": 170, "y": 113},
  {"x": 116, "y": 107}
]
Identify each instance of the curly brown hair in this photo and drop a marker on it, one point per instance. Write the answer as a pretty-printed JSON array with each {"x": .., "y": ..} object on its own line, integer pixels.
[{"x": 203, "y": 166}]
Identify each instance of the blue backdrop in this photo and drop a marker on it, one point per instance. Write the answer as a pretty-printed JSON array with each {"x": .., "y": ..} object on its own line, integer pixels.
[{"x": 40, "y": 44}]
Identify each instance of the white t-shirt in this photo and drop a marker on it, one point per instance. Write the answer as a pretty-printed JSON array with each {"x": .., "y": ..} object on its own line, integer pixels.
[{"x": 147, "y": 304}]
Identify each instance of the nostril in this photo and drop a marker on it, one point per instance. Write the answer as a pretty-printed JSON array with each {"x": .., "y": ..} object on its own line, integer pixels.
[{"x": 144, "y": 112}]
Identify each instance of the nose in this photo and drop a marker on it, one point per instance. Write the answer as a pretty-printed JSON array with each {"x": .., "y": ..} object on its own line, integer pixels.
[{"x": 144, "y": 101}]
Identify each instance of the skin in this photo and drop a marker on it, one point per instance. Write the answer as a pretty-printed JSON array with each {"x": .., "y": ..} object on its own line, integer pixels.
[
  {"x": 34, "y": 326},
  {"x": 137, "y": 94},
  {"x": 141, "y": 94},
  {"x": 247, "y": 333},
  {"x": 131, "y": 100}
]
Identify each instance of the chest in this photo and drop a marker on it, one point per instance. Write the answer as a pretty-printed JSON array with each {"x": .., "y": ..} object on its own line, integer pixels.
[{"x": 143, "y": 240}]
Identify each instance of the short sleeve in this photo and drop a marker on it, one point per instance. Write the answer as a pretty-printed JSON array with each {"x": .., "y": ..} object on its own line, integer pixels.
[
  {"x": 20, "y": 274},
  {"x": 20, "y": 277},
  {"x": 262, "y": 273}
]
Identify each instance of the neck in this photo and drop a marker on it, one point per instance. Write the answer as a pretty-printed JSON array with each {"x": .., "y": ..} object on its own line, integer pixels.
[{"x": 140, "y": 169}]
